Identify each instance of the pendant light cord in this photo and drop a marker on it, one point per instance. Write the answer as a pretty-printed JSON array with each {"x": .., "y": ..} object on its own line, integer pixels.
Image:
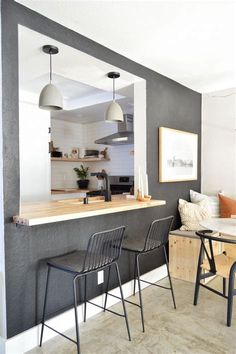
[
  {"x": 113, "y": 89},
  {"x": 50, "y": 67}
]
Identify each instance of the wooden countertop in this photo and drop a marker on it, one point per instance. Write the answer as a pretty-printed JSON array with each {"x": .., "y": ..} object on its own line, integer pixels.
[{"x": 60, "y": 210}]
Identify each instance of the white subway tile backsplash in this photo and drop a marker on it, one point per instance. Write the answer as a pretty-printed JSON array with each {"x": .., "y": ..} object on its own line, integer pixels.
[{"x": 67, "y": 135}]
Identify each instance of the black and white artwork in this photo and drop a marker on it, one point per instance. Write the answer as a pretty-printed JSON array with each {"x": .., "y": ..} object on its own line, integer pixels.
[{"x": 177, "y": 155}]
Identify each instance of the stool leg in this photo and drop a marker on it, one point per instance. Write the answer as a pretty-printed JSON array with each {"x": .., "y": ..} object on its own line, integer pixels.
[
  {"x": 123, "y": 301},
  {"x": 44, "y": 305},
  {"x": 230, "y": 294},
  {"x": 224, "y": 286},
  {"x": 140, "y": 293},
  {"x": 76, "y": 314},
  {"x": 135, "y": 272},
  {"x": 171, "y": 286},
  {"x": 107, "y": 287},
  {"x": 85, "y": 297},
  {"x": 198, "y": 276}
]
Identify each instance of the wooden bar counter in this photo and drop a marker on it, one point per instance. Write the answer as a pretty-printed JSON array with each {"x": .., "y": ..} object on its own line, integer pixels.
[{"x": 39, "y": 213}]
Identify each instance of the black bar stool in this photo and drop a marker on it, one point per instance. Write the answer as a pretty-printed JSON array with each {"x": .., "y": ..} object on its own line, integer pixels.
[
  {"x": 103, "y": 251},
  {"x": 156, "y": 238}
]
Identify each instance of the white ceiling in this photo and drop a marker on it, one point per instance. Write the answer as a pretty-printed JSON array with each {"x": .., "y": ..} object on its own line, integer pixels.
[
  {"x": 192, "y": 42},
  {"x": 69, "y": 63},
  {"x": 82, "y": 79},
  {"x": 92, "y": 113}
]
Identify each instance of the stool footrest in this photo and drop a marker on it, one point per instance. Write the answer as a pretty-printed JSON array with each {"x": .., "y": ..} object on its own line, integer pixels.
[
  {"x": 130, "y": 302},
  {"x": 159, "y": 286},
  {"x": 213, "y": 290},
  {"x": 61, "y": 334},
  {"x": 101, "y": 307}
]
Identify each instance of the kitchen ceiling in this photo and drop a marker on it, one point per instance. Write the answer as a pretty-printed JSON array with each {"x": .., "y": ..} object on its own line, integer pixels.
[
  {"x": 192, "y": 42},
  {"x": 92, "y": 113},
  {"x": 81, "y": 79}
]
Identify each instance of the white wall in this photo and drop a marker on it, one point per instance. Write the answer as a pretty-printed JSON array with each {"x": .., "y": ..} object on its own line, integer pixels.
[
  {"x": 219, "y": 142},
  {"x": 67, "y": 135},
  {"x": 140, "y": 128},
  {"x": 35, "y": 181}
]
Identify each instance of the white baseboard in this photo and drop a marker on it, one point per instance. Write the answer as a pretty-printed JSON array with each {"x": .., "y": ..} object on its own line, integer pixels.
[{"x": 29, "y": 339}]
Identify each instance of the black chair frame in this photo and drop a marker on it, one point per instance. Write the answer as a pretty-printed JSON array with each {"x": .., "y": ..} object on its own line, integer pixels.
[
  {"x": 149, "y": 247},
  {"x": 98, "y": 257},
  {"x": 205, "y": 235}
]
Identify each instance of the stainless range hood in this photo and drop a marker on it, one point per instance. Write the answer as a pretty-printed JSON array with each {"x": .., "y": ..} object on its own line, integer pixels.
[{"x": 124, "y": 136}]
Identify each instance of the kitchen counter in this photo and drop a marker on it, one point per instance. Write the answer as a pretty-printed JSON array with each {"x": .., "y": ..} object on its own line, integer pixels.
[{"x": 54, "y": 211}]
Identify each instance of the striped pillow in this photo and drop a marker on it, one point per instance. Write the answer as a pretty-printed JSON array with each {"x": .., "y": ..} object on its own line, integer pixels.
[{"x": 213, "y": 201}]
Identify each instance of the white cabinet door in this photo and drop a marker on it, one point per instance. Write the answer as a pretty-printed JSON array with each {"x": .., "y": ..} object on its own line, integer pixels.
[{"x": 35, "y": 169}]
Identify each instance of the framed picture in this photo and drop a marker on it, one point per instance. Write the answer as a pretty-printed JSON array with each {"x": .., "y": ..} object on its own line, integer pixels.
[{"x": 177, "y": 155}]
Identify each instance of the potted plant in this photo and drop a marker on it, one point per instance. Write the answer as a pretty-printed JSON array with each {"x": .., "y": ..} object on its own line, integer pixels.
[{"x": 82, "y": 174}]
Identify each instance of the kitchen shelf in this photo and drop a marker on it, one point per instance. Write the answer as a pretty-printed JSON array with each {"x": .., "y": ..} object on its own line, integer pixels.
[{"x": 64, "y": 159}]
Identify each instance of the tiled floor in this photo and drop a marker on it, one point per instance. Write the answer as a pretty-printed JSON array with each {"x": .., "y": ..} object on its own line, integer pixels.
[{"x": 189, "y": 329}]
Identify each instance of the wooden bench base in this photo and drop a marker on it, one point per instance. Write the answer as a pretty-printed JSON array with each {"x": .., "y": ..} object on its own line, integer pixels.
[{"x": 183, "y": 255}]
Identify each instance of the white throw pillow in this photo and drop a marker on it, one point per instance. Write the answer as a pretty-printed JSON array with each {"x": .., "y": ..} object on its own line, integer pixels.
[
  {"x": 193, "y": 213},
  {"x": 213, "y": 201}
]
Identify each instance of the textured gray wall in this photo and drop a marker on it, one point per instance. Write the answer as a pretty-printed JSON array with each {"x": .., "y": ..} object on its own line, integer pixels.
[{"x": 168, "y": 104}]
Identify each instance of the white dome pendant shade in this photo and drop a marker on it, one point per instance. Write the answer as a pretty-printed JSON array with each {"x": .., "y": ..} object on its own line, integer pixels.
[
  {"x": 50, "y": 97},
  {"x": 114, "y": 112}
]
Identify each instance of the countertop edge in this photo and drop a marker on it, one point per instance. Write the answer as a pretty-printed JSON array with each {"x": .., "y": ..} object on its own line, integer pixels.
[{"x": 84, "y": 214}]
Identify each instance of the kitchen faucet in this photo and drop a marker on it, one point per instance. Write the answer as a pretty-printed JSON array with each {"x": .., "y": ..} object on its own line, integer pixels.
[{"x": 107, "y": 191}]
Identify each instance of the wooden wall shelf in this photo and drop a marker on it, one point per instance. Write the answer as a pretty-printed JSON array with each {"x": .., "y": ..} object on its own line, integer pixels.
[{"x": 64, "y": 159}]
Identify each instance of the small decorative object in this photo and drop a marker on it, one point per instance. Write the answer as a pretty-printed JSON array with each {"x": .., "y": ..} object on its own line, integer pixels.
[
  {"x": 104, "y": 153},
  {"x": 91, "y": 153},
  {"x": 142, "y": 193},
  {"x": 74, "y": 153},
  {"x": 82, "y": 174},
  {"x": 82, "y": 152},
  {"x": 56, "y": 153},
  {"x": 177, "y": 155},
  {"x": 51, "y": 146},
  {"x": 66, "y": 155},
  {"x": 54, "y": 150}
]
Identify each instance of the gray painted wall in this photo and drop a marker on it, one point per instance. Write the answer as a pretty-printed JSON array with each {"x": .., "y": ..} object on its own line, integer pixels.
[{"x": 169, "y": 104}]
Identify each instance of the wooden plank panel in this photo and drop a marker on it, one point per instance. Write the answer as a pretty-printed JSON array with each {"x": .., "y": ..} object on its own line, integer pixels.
[{"x": 183, "y": 257}]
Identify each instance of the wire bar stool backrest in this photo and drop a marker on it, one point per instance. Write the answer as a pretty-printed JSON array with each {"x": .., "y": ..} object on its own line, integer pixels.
[
  {"x": 103, "y": 248},
  {"x": 158, "y": 233},
  {"x": 209, "y": 251}
]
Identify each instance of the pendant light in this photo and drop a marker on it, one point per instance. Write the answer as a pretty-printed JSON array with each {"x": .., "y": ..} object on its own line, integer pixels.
[
  {"x": 50, "y": 97},
  {"x": 114, "y": 112}
]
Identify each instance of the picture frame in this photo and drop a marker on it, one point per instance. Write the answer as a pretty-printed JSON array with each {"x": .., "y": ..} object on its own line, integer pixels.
[{"x": 178, "y": 155}]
